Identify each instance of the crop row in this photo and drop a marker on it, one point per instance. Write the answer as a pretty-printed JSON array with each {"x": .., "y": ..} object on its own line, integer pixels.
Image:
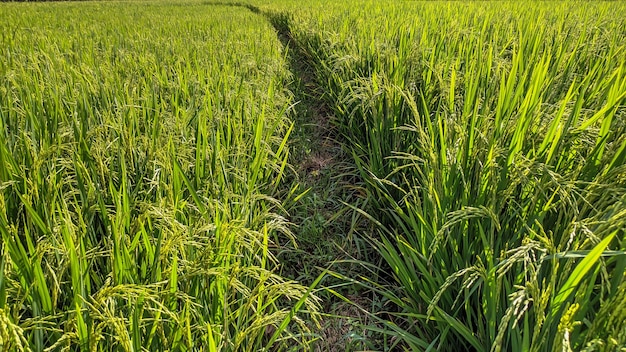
[
  {"x": 491, "y": 141},
  {"x": 140, "y": 147}
]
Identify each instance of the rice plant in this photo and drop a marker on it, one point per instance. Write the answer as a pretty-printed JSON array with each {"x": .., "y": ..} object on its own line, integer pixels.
[
  {"x": 141, "y": 145},
  {"x": 491, "y": 142}
]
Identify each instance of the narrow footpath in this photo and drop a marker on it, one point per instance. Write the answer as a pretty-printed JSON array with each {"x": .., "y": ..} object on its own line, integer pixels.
[{"x": 324, "y": 225}]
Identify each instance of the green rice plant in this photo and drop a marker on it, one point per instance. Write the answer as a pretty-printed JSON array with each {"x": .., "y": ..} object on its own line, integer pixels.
[
  {"x": 490, "y": 140},
  {"x": 142, "y": 145}
]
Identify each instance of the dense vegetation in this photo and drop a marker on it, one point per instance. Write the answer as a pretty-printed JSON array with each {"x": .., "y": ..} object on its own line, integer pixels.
[
  {"x": 145, "y": 180},
  {"x": 491, "y": 141},
  {"x": 140, "y": 148}
]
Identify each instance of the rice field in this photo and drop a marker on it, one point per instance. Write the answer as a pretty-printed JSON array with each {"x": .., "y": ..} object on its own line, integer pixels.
[
  {"x": 149, "y": 188},
  {"x": 490, "y": 141},
  {"x": 141, "y": 146}
]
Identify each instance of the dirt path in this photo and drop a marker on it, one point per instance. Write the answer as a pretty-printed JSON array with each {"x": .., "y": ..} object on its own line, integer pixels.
[{"x": 324, "y": 227}]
